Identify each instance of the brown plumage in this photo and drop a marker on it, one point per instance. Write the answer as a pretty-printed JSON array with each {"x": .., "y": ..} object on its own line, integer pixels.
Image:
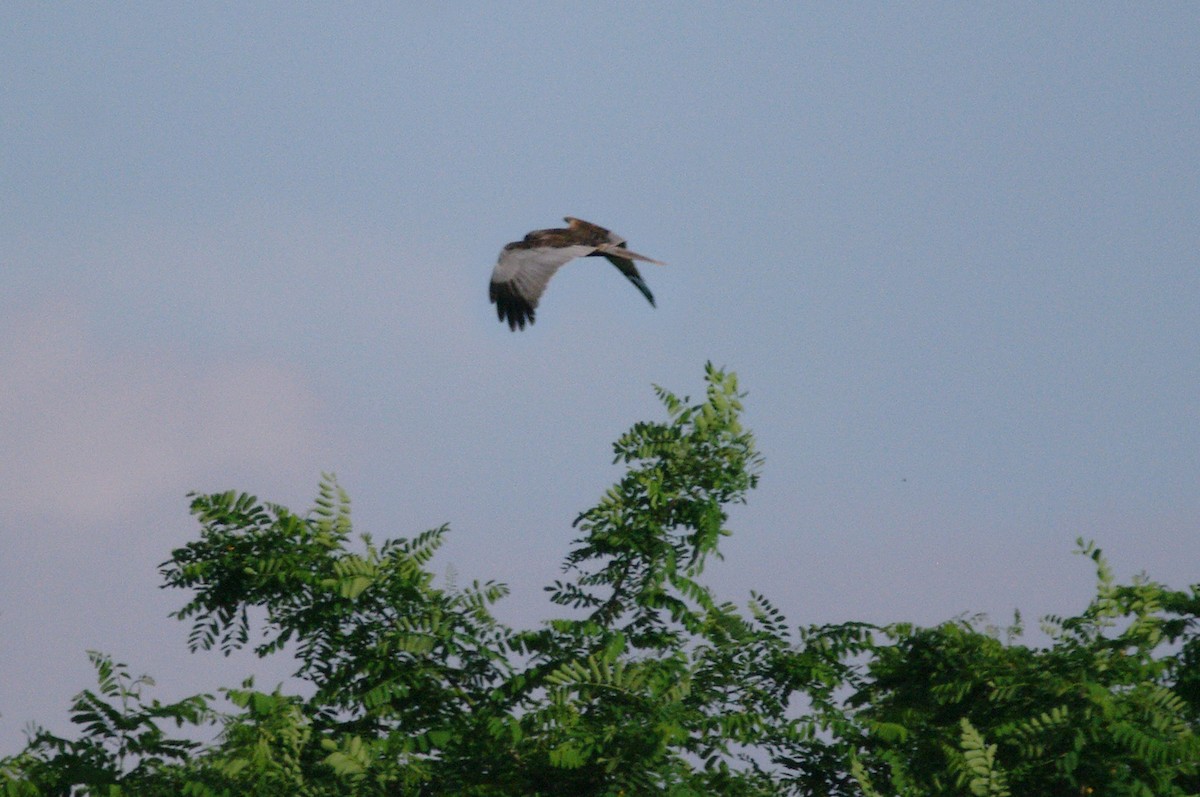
[{"x": 525, "y": 266}]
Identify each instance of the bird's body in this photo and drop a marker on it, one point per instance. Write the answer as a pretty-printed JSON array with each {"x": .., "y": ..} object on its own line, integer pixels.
[{"x": 525, "y": 266}]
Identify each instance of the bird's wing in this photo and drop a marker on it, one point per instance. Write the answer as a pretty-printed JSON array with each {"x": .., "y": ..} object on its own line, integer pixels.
[
  {"x": 620, "y": 250},
  {"x": 626, "y": 267},
  {"x": 520, "y": 278},
  {"x": 623, "y": 259}
]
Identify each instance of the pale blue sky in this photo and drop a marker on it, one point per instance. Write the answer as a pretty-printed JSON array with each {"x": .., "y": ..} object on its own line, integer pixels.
[{"x": 951, "y": 251}]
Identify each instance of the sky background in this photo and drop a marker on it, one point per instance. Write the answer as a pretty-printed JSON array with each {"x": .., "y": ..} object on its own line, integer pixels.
[{"x": 949, "y": 249}]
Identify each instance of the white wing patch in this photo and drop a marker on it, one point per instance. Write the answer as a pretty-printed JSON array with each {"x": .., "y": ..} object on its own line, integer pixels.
[
  {"x": 521, "y": 275},
  {"x": 530, "y": 269}
]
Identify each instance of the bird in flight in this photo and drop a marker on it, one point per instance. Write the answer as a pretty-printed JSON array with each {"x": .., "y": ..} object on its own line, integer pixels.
[{"x": 525, "y": 266}]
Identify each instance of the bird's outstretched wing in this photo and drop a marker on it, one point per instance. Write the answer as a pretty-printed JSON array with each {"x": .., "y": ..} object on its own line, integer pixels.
[
  {"x": 623, "y": 259},
  {"x": 520, "y": 278},
  {"x": 621, "y": 251}
]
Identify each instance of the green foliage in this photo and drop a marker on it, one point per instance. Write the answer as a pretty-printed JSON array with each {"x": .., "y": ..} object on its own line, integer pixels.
[
  {"x": 1097, "y": 711},
  {"x": 975, "y": 762},
  {"x": 650, "y": 683},
  {"x": 122, "y": 750}
]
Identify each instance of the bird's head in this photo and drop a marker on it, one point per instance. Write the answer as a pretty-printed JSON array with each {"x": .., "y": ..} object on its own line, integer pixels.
[{"x": 582, "y": 227}]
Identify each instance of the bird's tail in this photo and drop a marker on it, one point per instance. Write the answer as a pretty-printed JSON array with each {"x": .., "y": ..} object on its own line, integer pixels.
[{"x": 625, "y": 254}]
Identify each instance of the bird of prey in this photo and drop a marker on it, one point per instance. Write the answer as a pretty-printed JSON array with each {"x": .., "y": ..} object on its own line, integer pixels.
[{"x": 525, "y": 266}]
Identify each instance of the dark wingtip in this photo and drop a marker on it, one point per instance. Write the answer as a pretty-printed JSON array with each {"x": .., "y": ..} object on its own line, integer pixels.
[
  {"x": 630, "y": 271},
  {"x": 511, "y": 307},
  {"x": 638, "y": 283},
  {"x": 641, "y": 286}
]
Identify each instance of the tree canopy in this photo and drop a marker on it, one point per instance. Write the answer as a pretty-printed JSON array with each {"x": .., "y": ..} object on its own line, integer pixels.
[{"x": 646, "y": 683}]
